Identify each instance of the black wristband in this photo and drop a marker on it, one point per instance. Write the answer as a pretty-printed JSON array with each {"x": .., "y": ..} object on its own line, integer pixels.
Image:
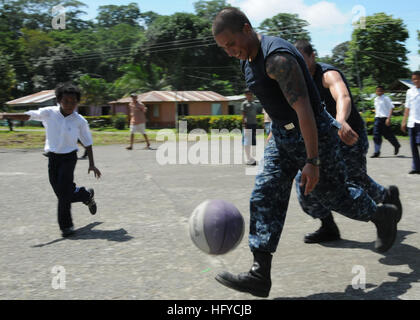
[{"x": 314, "y": 161}]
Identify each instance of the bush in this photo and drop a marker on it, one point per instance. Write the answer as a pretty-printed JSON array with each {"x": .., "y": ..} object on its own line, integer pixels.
[
  {"x": 119, "y": 121},
  {"x": 369, "y": 117},
  {"x": 229, "y": 122},
  {"x": 99, "y": 121}
]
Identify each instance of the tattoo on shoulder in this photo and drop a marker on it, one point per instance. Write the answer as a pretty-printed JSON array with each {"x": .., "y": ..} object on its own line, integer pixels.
[{"x": 286, "y": 71}]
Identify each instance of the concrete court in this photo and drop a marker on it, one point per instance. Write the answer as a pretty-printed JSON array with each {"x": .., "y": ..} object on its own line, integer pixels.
[{"x": 137, "y": 246}]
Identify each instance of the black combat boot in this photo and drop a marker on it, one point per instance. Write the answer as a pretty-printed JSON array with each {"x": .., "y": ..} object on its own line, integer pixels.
[
  {"x": 328, "y": 232},
  {"x": 256, "y": 281},
  {"x": 393, "y": 197},
  {"x": 385, "y": 220}
]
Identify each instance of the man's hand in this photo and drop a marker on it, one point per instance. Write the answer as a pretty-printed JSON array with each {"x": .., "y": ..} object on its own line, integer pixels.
[
  {"x": 95, "y": 171},
  {"x": 347, "y": 134},
  {"x": 388, "y": 122},
  {"x": 404, "y": 127},
  {"x": 310, "y": 177}
]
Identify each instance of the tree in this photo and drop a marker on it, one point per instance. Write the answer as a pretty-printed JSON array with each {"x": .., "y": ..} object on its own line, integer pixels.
[
  {"x": 209, "y": 9},
  {"x": 176, "y": 42},
  {"x": 7, "y": 80},
  {"x": 95, "y": 91},
  {"x": 113, "y": 15},
  {"x": 148, "y": 17},
  {"x": 377, "y": 51},
  {"x": 57, "y": 66},
  {"x": 339, "y": 54},
  {"x": 145, "y": 77},
  {"x": 287, "y": 26}
]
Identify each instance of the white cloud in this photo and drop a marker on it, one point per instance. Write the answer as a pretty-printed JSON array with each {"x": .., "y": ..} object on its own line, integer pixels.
[{"x": 322, "y": 14}]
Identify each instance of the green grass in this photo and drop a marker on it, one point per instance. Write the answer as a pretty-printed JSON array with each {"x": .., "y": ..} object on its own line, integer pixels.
[
  {"x": 20, "y": 139},
  {"x": 36, "y": 139}
]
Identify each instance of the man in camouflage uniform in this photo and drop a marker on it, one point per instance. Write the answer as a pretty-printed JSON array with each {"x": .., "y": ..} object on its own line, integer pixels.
[
  {"x": 335, "y": 93},
  {"x": 304, "y": 137}
]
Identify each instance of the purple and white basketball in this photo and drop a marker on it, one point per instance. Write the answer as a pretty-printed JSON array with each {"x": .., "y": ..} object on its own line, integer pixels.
[{"x": 216, "y": 226}]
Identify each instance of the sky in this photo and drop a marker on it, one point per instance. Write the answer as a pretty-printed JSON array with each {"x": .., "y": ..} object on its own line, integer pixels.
[{"x": 330, "y": 21}]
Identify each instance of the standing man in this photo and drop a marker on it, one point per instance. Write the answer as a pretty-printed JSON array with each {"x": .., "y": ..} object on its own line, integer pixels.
[
  {"x": 304, "y": 137},
  {"x": 412, "y": 113},
  {"x": 137, "y": 120},
  {"x": 335, "y": 93},
  {"x": 382, "y": 125},
  {"x": 249, "y": 125}
]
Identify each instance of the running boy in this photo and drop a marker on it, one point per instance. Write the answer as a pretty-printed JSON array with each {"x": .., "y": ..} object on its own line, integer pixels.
[{"x": 64, "y": 126}]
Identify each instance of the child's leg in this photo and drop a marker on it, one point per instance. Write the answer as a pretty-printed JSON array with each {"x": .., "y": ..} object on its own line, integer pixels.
[{"x": 63, "y": 175}]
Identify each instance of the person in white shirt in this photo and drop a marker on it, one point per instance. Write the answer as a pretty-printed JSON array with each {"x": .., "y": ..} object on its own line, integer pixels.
[
  {"x": 64, "y": 126},
  {"x": 412, "y": 113},
  {"x": 382, "y": 125}
]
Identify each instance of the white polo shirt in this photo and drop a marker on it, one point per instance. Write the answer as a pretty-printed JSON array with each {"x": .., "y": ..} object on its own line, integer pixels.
[
  {"x": 383, "y": 106},
  {"x": 412, "y": 102},
  {"x": 62, "y": 132}
]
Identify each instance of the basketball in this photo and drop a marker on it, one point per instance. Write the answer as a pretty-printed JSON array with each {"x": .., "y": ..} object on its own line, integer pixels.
[{"x": 216, "y": 226}]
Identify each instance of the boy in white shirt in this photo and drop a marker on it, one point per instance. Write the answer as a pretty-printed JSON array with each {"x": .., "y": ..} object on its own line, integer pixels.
[
  {"x": 382, "y": 125},
  {"x": 412, "y": 113},
  {"x": 64, "y": 127}
]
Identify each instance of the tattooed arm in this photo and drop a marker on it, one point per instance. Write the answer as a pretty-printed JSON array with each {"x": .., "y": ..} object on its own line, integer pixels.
[{"x": 284, "y": 68}]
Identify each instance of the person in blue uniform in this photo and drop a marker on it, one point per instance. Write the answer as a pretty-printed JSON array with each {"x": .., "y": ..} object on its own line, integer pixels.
[
  {"x": 304, "y": 137},
  {"x": 336, "y": 96}
]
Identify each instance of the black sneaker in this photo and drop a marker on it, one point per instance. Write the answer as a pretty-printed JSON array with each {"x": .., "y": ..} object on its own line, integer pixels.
[
  {"x": 91, "y": 202},
  {"x": 393, "y": 197},
  {"x": 375, "y": 155},
  {"x": 67, "y": 232},
  {"x": 396, "y": 150},
  {"x": 323, "y": 234},
  {"x": 385, "y": 220}
]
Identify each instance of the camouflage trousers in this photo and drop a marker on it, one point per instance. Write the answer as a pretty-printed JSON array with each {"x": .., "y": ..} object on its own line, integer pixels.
[
  {"x": 284, "y": 156},
  {"x": 355, "y": 160}
]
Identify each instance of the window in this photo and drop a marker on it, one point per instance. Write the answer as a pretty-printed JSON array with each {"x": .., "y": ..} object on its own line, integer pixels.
[
  {"x": 216, "y": 109},
  {"x": 231, "y": 109},
  {"x": 156, "y": 111},
  {"x": 183, "y": 109}
]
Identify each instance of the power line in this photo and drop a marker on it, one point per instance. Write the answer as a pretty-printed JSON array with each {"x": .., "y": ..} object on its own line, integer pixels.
[
  {"x": 389, "y": 61},
  {"x": 113, "y": 55},
  {"x": 122, "y": 50}
]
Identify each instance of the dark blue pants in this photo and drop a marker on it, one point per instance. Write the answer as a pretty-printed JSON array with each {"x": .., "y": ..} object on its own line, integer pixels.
[
  {"x": 414, "y": 134},
  {"x": 250, "y": 135},
  {"x": 61, "y": 175},
  {"x": 381, "y": 129},
  {"x": 355, "y": 158},
  {"x": 284, "y": 156}
]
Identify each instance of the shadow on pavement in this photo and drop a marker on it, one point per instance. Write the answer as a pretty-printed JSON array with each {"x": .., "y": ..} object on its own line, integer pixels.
[
  {"x": 400, "y": 254},
  {"x": 86, "y": 233}
]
